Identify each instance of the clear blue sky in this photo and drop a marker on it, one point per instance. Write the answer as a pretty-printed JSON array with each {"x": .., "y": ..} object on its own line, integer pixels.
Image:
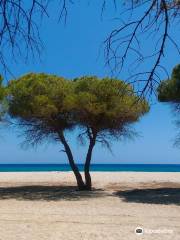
[{"x": 72, "y": 51}]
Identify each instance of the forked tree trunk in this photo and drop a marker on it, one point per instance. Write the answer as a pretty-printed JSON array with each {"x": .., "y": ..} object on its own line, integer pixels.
[
  {"x": 80, "y": 183},
  {"x": 88, "y": 182}
]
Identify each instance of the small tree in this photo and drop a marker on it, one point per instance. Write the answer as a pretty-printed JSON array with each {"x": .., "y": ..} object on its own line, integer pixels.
[
  {"x": 169, "y": 91},
  {"x": 47, "y": 106}
]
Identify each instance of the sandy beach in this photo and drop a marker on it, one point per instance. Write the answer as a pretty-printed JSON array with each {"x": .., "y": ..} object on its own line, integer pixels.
[{"x": 35, "y": 206}]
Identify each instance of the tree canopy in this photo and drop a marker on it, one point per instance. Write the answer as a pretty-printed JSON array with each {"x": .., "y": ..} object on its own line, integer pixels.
[
  {"x": 46, "y": 106},
  {"x": 40, "y": 99},
  {"x": 106, "y": 104},
  {"x": 169, "y": 90}
]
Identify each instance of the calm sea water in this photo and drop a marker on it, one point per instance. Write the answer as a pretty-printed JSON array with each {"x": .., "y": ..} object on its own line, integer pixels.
[{"x": 94, "y": 167}]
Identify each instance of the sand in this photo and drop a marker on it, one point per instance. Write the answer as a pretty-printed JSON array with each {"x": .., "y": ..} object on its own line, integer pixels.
[{"x": 46, "y": 206}]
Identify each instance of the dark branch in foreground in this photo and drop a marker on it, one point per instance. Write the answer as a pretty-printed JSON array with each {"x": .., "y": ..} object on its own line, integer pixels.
[
  {"x": 126, "y": 42},
  {"x": 124, "y": 47},
  {"x": 19, "y": 29}
]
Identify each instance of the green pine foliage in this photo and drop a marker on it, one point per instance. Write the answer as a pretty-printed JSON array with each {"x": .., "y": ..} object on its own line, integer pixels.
[
  {"x": 50, "y": 104},
  {"x": 169, "y": 90}
]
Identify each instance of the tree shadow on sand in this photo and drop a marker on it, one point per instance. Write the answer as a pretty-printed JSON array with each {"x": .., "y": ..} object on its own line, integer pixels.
[
  {"x": 151, "y": 196},
  {"x": 48, "y": 193}
]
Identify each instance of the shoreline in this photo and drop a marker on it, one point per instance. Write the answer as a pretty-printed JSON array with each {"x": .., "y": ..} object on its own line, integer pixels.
[{"x": 98, "y": 178}]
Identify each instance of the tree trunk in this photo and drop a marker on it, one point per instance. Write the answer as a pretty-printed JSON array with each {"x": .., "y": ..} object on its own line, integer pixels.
[
  {"x": 80, "y": 183},
  {"x": 88, "y": 182}
]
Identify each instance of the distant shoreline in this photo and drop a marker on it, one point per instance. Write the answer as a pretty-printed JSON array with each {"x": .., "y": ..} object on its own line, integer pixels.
[{"x": 94, "y": 167}]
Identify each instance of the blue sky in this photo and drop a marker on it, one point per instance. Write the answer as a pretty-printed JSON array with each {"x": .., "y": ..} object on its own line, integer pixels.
[{"x": 72, "y": 51}]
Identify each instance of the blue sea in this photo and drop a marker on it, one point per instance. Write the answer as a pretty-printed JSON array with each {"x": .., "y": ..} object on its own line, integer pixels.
[{"x": 94, "y": 167}]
